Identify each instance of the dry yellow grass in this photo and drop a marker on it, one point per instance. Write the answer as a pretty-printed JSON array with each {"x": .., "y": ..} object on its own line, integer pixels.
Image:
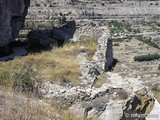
[
  {"x": 100, "y": 81},
  {"x": 18, "y": 107},
  {"x": 57, "y": 65}
]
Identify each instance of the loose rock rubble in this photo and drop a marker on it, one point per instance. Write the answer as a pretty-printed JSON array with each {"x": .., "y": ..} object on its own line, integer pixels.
[
  {"x": 111, "y": 100},
  {"x": 115, "y": 99}
]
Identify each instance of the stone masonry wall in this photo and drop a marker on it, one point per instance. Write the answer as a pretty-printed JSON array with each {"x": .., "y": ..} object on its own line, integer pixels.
[
  {"x": 104, "y": 54},
  {"x": 102, "y": 60},
  {"x": 109, "y": 55}
]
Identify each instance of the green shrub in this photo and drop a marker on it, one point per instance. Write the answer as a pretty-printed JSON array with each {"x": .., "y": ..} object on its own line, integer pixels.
[
  {"x": 119, "y": 26},
  {"x": 148, "y": 57},
  {"x": 147, "y": 41}
]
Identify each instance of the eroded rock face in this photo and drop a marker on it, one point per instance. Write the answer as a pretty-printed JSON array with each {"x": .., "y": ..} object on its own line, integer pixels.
[{"x": 12, "y": 16}]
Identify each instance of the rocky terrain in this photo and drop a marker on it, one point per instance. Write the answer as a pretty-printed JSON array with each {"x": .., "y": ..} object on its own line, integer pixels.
[
  {"x": 42, "y": 11},
  {"x": 78, "y": 60}
]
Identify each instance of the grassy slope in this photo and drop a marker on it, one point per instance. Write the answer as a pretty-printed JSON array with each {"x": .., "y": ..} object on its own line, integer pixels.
[
  {"x": 58, "y": 65},
  {"x": 17, "y": 107}
]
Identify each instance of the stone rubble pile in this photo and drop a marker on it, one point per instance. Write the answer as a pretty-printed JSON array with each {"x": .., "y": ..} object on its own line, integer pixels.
[
  {"x": 114, "y": 100},
  {"x": 109, "y": 102}
]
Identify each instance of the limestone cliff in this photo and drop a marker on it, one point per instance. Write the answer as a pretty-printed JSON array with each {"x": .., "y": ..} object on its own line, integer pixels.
[{"x": 12, "y": 16}]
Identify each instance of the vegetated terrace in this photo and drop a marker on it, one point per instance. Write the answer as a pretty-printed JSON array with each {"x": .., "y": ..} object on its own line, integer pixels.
[{"x": 58, "y": 65}]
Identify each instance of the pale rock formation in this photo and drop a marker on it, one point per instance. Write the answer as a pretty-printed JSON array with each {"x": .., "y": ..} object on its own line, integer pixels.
[
  {"x": 111, "y": 101},
  {"x": 87, "y": 29},
  {"x": 154, "y": 114},
  {"x": 89, "y": 72}
]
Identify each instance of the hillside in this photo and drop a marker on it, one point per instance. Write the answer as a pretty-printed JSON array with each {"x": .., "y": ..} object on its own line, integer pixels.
[
  {"x": 42, "y": 10},
  {"x": 79, "y": 60}
]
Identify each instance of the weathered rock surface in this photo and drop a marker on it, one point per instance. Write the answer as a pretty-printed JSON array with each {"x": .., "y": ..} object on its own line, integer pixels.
[
  {"x": 117, "y": 99},
  {"x": 88, "y": 29},
  {"x": 112, "y": 101},
  {"x": 88, "y": 72},
  {"x": 12, "y": 18}
]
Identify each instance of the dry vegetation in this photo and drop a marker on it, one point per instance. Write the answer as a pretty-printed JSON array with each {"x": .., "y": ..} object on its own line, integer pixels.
[
  {"x": 18, "y": 78},
  {"x": 100, "y": 81},
  {"x": 15, "y": 106},
  {"x": 58, "y": 65}
]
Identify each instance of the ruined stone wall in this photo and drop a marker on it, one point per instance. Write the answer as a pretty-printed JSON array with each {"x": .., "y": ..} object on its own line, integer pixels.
[
  {"x": 102, "y": 60},
  {"x": 12, "y": 16},
  {"x": 104, "y": 53},
  {"x": 109, "y": 55}
]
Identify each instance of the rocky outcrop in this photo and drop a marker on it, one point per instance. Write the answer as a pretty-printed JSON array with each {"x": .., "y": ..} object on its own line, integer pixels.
[
  {"x": 112, "y": 101},
  {"x": 88, "y": 72},
  {"x": 12, "y": 18},
  {"x": 156, "y": 86}
]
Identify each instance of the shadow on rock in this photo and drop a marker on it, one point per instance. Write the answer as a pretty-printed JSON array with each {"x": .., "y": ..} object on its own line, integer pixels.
[
  {"x": 39, "y": 40},
  {"x": 114, "y": 63}
]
